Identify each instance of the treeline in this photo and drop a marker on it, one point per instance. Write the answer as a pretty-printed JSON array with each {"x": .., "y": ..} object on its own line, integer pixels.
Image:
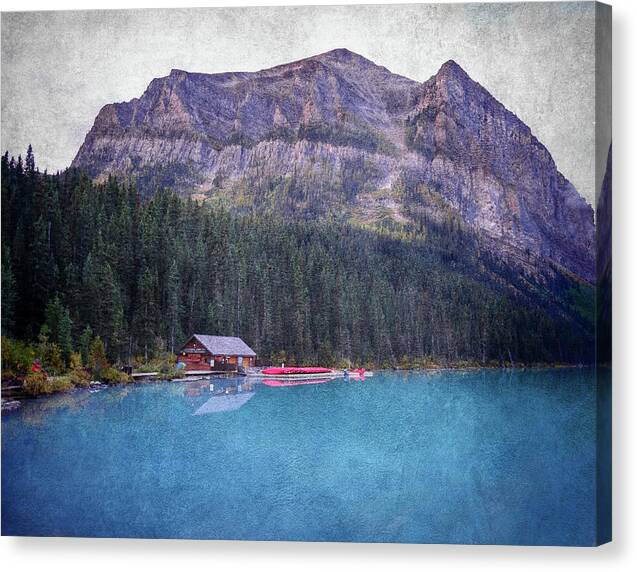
[{"x": 142, "y": 274}]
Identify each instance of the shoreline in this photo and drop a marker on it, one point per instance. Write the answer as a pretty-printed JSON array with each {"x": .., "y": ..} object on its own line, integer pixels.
[{"x": 12, "y": 402}]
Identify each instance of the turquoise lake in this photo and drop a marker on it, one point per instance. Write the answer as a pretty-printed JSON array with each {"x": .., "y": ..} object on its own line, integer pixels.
[{"x": 482, "y": 456}]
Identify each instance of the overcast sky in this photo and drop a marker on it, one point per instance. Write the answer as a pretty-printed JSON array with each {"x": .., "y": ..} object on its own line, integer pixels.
[{"x": 60, "y": 68}]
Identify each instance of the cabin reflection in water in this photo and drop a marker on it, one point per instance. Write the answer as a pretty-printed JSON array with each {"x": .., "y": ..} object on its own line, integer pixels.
[{"x": 224, "y": 395}]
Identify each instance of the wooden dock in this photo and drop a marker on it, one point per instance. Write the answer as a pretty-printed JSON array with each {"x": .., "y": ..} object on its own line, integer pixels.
[
  {"x": 139, "y": 376},
  {"x": 144, "y": 374},
  {"x": 207, "y": 372}
]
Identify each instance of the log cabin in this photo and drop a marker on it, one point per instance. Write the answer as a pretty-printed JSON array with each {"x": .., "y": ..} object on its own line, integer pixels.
[{"x": 215, "y": 353}]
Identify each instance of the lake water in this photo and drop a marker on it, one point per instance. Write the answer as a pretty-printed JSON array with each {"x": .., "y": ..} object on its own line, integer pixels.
[{"x": 446, "y": 457}]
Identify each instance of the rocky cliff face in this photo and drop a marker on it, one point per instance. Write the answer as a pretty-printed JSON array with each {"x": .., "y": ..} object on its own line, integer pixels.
[
  {"x": 490, "y": 167},
  {"x": 338, "y": 134}
]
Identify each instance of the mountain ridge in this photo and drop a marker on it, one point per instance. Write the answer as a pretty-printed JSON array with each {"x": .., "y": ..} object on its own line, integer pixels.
[{"x": 328, "y": 133}]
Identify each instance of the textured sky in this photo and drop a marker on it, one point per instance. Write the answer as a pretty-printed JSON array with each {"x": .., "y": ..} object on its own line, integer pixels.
[{"x": 60, "y": 68}]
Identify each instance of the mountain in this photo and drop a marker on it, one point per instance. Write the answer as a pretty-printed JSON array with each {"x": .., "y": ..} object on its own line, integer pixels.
[
  {"x": 604, "y": 298},
  {"x": 337, "y": 135}
]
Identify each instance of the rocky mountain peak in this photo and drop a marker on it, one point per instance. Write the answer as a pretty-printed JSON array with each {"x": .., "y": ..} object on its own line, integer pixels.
[
  {"x": 343, "y": 56},
  {"x": 451, "y": 70}
]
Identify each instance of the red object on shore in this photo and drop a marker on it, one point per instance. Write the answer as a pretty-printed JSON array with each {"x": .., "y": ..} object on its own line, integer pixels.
[
  {"x": 295, "y": 370},
  {"x": 36, "y": 367}
]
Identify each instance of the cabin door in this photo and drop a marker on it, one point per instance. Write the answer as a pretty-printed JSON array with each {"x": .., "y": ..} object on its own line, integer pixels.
[{"x": 240, "y": 361}]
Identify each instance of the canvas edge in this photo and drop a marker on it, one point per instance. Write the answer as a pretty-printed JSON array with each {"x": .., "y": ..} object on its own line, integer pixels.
[{"x": 603, "y": 299}]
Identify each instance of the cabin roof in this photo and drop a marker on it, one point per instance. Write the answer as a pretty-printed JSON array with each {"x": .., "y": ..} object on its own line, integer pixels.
[{"x": 224, "y": 345}]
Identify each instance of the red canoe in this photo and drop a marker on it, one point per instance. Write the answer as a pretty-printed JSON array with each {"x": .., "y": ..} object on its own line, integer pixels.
[{"x": 295, "y": 370}]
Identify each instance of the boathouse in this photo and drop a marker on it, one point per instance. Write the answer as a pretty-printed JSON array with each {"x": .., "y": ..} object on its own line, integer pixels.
[{"x": 215, "y": 353}]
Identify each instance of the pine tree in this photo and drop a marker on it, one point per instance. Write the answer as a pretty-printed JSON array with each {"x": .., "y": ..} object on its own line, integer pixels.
[
  {"x": 59, "y": 324},
  {"x": 9, "y": 294},
  {"x": 30, "y": 161},
  {"x": 85, "y": 343},
  {"x": 102, "y": 304},
  {"x": 49, "y": 353},
  {"x": 173, "y": 306},
  {"x": 42, "y": 268},
  {"x": 97, "y": 360}
]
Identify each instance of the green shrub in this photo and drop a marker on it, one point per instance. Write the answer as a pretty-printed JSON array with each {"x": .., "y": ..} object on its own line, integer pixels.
[
  {"x": 75, "y": 360},
  {"x": 175, "y": 373},
  {"x": 17, "y": 356},
  {"x": 164, "y": 364},
  {"x": 79, "y": 377},
  {"x": 50, "y": 353},
  {"x": 77, "y": 374},
  {"x": 59, "y": 383},
  {"x": 111, "y": 375},
  {"x": 37, "y": 383},
  {"x": 52, "y": 359},
  {"x": 167, "y": 366}
]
